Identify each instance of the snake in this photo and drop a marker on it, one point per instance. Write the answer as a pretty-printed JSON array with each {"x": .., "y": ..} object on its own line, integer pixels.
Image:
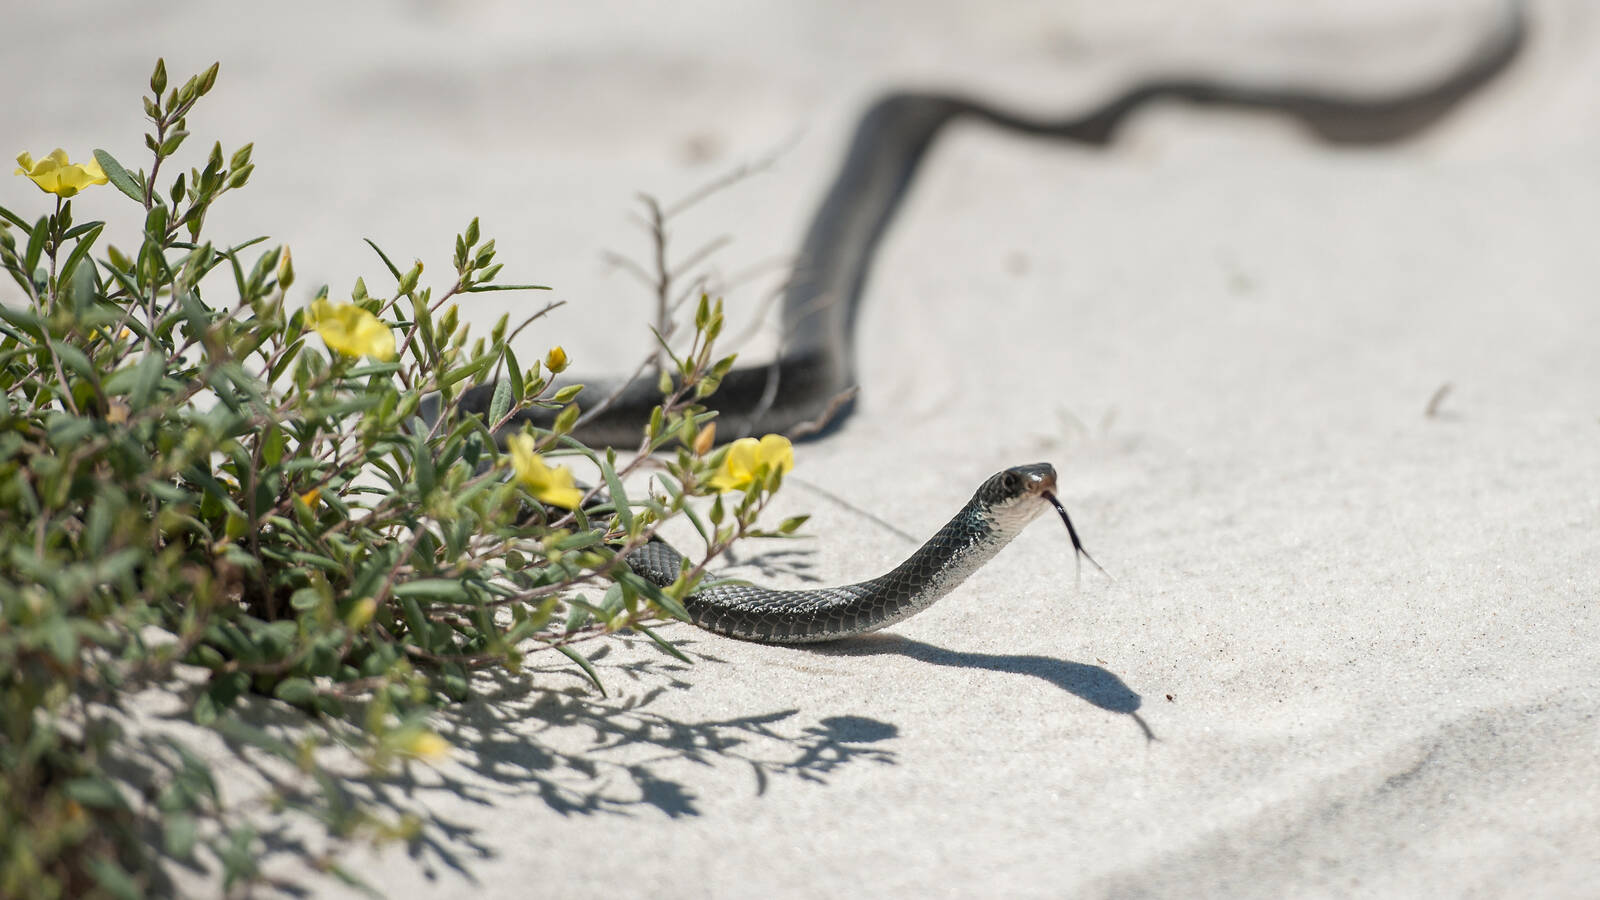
[
  {"x": 1002, "y": 506},
  {"x": 807, "y": 390}
]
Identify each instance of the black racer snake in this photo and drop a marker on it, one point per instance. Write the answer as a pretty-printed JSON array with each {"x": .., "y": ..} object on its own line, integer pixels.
[{"x": 807, "y": 386}]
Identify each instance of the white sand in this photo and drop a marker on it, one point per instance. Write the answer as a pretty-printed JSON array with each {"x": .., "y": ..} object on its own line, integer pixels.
[{"x": 1351, "y": 649}]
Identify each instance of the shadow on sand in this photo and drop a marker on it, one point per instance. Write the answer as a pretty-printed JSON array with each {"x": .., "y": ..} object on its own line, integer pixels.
[
  {"x": 1084, "y": 681},
  {"x": 543, "y": 733}
]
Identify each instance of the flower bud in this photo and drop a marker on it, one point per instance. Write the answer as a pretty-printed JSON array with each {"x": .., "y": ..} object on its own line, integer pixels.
[
  {"x": 285, "y": 270},
  {"x": 705, "y": 439},
  {"x": 556, "y": 359}
]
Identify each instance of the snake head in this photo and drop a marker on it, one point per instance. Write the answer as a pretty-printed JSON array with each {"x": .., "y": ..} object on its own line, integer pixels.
[
  {"x": 1014, "y": 497},
  {"x": 1018, "y": 483}
]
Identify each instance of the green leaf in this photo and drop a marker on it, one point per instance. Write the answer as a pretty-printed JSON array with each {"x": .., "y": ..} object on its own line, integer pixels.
[
  {"x": 209, "y": 78},
  {"x": 373, "y": 368},
  {"x": 150, "y": 370},
  {"x": 619, "y": 497},
  {"x": 584, "y": 664},
  {"x": 566, "y": 419},
  {"x": 483, "y": 288},
  {"x": 653, "y": 592},
  {"x": 63, "y": 642},
  {"x": 422, "y": 465},
  {"x": 224, "y": 689},
  {"x": 97, "y": 793},
  {"x": 120, "y": 177},
  {"x": 74, "y": 359},
  {"x": 434, "y": 588},
  {"x": 24, "y": 319},
  {"x": 114, "y": 878},
  {"x": 519, "y": 388},
  {"x": 136, "y": 380},
  {"x": 36, "y": 239},
  {"x": 13, "y": 218},
  {"x": 79, "y": 251},
  {"x": 662, "y": 642},
  {"x": 297, "y": 691},
  {"x": 393, "y": 270},
  {"x": 501, "y": 404},
  {"x": 79, "y": 229},
  {"x": 180, "y": 830}
]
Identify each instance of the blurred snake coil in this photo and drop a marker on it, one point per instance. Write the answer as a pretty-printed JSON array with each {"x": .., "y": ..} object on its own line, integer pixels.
[{"x": 808, "y": 389}]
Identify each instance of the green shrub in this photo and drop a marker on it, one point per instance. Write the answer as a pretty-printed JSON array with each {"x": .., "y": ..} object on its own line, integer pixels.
[{"x": 247, "y": 487}]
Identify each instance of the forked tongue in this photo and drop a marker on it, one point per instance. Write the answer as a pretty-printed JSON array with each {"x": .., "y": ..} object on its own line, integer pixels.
[{"x": 1077, "y": 545}]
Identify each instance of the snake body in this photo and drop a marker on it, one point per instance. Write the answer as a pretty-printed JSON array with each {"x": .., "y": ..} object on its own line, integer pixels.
[
  {"x": 997, "y": 512},
  {"x": 806, "y": 387},
  {"x": 804, "y": 390}
]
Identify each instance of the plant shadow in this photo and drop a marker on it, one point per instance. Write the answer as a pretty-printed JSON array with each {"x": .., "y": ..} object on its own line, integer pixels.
[
  {"x": 798, "y": 563},
  {"x": 541, "y": 733}
]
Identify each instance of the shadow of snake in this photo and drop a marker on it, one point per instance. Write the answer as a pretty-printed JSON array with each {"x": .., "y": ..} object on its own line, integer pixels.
[{"x": 1089, "y": 683}]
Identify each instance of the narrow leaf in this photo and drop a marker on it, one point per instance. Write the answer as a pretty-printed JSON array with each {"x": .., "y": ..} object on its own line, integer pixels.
[
  {"x": 30, "y": 257},
  {"x": 584, "y": 664},
  {"x": 434, "y": 588},
  {"x": 662, "y": 642},
  {"x": 619, "y": 497},
  {"x": 124, "y": 181},
  {"x": 484, "y": 288},
  {"x": 13, "y": 218},
  {"x": 393, "y": 270},
  {"x": 78, "y": 253}
]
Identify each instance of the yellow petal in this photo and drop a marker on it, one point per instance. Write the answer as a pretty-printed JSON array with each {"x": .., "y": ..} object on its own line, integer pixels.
[
  {"x": 361, "y": 613},
  {"x": 738, "y": 466},
  {"x": 426, "y": 745},
  {"x": 749, "y": 462},
  {"x": 777, "y": 452},
  {"x": 561, "y": 489},
  {"x": 351, "y": 330},
  {"x": 521, "y": 447},
  {"x": 55, "y": 174},
  {"x": 554, "y": 486},
  {"x": 556, "y": 359}
]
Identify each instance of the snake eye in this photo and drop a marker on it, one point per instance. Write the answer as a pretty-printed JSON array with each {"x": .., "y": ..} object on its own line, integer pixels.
[{"x": 1010, "y": 481}]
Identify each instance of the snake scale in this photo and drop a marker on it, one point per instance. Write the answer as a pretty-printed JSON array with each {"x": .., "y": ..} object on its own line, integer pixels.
[{"x": 806, "y": 388}]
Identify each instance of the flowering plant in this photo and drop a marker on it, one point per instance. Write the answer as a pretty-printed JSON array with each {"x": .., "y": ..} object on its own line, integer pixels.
[{"x": 247, "y": 489}]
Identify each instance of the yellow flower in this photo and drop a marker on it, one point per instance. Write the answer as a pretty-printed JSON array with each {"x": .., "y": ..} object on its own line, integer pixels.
[
  {"x": 361, "y": 613},
  {"x": 351, "y": 330},
  {"x": 425, "y": 745},
  {"x": 553, "y": 486},
  {"x": 55, "y": 175},
  {"x": 556, "y": 359},
  {"x": 749, "y": 461}
]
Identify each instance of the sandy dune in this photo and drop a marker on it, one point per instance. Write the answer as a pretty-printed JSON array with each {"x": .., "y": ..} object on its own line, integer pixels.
[{"x": 1351, "y": 648}]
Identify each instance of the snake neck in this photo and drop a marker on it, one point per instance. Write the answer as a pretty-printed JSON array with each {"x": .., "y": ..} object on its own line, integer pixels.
[
  {"x": 965, "y": 544},
  {"x": 750, "y": 612}
]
